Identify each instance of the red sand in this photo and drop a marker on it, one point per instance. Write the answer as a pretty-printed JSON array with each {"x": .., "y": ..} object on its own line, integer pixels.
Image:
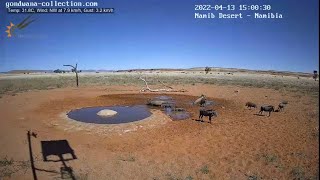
[{"x": 237, "y": 144}]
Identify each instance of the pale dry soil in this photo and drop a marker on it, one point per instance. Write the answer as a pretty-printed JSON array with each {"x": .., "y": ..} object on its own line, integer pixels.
[{"x": 237, "y": 145}]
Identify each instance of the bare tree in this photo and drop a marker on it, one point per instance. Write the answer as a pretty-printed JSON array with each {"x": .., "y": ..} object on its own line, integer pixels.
[
  {"x": 207, "y": 69},
  {"x": 74, "y": 69}
]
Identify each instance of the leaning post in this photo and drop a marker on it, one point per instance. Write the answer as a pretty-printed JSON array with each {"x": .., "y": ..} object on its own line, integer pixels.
[{"x": 76, "y": 71}]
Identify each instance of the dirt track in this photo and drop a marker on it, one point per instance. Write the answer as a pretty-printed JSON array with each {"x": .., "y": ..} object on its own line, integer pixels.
[{"x": 237, "y": 145}]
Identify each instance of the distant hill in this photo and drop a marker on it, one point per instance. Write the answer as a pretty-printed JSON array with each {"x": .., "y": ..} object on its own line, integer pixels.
[
  {"x": 29, "y": 71},
  {"x": 213, "y": 69},
  {"x": 100, "y": 70},
  {"x": 158, "y": 69},
  {"x": 273, "y": 72}
]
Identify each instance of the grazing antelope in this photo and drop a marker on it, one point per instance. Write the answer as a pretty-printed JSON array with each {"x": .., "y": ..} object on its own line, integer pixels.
[
  {"x": 267, "y": 108},
  {"x": 210, "y": 113},
  {"x": 251, "y": 105}
]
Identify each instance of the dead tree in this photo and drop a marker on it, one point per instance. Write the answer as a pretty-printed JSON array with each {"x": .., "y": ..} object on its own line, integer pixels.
[
  {"x": 167, "y": 89},
  {"x": 207, "y": 69},
  {"x": 74, "y": 69}
]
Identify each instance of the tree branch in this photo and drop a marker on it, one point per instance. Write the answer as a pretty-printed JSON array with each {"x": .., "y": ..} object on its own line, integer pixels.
[
  {"x": 70, "y": 66},
  {"x": 147, "y": 88}
]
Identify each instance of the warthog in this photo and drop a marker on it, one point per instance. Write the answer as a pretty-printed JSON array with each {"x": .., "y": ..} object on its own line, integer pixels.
[
  {"x": 267, "y": 108},
  {"x": 281, "y": 106},
  {"x": 251, "y": 105},
  {"x": 210, "y": 113},
  {"x": 201, "y": 100}
]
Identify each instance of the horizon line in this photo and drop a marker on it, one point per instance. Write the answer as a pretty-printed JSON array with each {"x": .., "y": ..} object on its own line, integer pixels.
[{"x": 137, "y": 69}]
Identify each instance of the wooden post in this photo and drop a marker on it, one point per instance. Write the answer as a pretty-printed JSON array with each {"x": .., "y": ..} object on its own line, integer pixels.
[
  {"x": 31, "y": 157},
  {"x": 75, "y": 68}
]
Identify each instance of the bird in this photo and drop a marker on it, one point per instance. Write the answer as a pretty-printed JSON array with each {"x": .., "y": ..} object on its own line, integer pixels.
[{"x": 34, "y": 134}]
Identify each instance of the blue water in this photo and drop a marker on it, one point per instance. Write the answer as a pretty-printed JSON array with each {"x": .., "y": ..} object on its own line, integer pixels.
[{"x": 125, "y": 114}]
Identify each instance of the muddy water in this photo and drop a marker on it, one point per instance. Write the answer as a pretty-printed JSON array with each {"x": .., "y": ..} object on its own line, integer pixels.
[
  {"x": 177, "y": 115},
  {"x": 125, "y": 114},
  {"x": 170, "y": 110},
  {"x": 208, "y": 103}
]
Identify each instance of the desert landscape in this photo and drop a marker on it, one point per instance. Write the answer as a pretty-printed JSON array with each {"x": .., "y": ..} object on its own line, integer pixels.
[{"x": 239, "y": 144}]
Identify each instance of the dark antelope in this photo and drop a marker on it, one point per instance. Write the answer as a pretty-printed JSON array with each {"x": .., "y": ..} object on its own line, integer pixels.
[
  {"x": 267, "y": 108},
  {"x": 210, "y": 113}
]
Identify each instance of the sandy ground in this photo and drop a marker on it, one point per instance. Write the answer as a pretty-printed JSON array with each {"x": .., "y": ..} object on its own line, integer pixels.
[{"x": 237, "y": 145}]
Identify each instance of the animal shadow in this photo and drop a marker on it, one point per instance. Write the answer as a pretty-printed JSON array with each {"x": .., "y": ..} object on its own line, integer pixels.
[
  {"x": 201, "y": 121},
  {"x": 257, "y": 114}
]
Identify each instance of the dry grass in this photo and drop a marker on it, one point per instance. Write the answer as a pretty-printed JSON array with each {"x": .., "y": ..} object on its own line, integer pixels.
[
  {"x": 9, "y": 167},
  {"x": 13, "y": 85}
]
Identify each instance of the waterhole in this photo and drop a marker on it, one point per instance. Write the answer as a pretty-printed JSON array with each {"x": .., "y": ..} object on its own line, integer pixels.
[{"x": 124, "y": 114}]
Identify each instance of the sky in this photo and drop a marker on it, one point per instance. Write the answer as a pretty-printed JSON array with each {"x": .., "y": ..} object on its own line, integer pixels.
[{"x": 165, "y": 34}]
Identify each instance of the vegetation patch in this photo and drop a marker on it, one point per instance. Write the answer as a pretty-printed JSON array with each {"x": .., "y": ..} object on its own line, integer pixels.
[
  {"x": 298, "y": 173},
  {"x": 8, "y": 167},
  {"x": 204, "y": 170},
  {"x": 270, "y": 158},
  {"x": 128, "y": 158},
  {"x": 21, "y": 84}
]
